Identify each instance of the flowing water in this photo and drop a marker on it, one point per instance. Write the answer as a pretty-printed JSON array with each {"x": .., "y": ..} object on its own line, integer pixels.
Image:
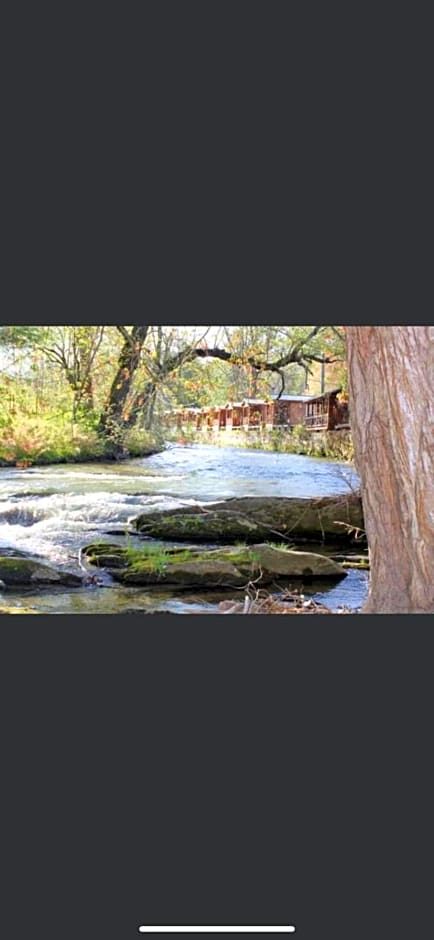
[{"x": 52, "y": 512}]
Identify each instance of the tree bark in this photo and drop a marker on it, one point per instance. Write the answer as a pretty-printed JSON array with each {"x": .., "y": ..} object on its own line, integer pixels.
[
  {"x": 128, "y": 361},
  {"x": 391, "y": 377},
  {"x": 143, "y": 405}
]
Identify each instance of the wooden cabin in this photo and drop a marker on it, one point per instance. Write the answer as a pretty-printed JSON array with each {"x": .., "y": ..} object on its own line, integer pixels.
[
  {"x": 316, "y": 412},
  {"x": 223, "y": 416},
  {"x": 210, "y": 418},
  {"x": 255, "y": 414},
  {"x": 229, "y": 412},
  {"x": 214, "y": 418},
  {"x": 289, "y": 410},
  {"x": 234, "y": 418},
  {"x": 268, "y": 412},
  {"x": 201, "y": 419},
  {"x": 189, "y": 416},
  {"x": 323, "y": 411}
]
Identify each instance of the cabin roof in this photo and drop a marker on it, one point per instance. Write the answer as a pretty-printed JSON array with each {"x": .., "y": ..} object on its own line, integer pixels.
[
  {"x": 332, "y": 391},
  {"x": 254, "y": 401},
  {"x": 292, "y": 398}
]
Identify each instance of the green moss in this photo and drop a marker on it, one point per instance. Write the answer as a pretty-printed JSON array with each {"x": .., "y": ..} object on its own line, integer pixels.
[
  {"x": 101, "y": 548},
  {"x": 15, "y": 570},
  {"x": 151, "y": 558},
  {"x": 14, "y": 566},
  {"x": 236, "y": 557},
  {"x": 154, "y": 559}
]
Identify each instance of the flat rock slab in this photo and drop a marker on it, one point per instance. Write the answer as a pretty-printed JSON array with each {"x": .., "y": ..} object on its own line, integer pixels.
[
  {"x": 228, "y": 566},
  {"x": 252, "y": 519},
  {"x": 19, "y": 570}
]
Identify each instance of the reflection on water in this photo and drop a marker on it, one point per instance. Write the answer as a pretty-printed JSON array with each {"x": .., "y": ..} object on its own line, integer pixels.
[
  {"x": 115, "y": 600},
  {"x": 54, "y": 511}
]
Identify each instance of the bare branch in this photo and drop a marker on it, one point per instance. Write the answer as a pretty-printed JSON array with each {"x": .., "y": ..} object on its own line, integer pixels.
[{"x": 126, "y": 335}]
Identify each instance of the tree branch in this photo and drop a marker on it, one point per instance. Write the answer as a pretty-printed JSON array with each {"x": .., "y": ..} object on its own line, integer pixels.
[{"x": 126, "y": 335}]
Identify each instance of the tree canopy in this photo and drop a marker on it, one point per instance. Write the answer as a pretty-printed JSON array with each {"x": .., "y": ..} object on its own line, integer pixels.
[{"x": 123, "y": 376}]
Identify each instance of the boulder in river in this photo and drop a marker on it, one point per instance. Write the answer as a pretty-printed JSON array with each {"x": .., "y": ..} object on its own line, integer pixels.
[
  {"x": 253, "y": 518},
  {"x": 16, "y": 570},
  {"x": 227, "y": 566}
]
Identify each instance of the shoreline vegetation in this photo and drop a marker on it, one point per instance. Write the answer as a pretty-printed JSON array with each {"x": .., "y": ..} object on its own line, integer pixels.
[
  {"x": 35, "y": 444},
  {"x": 331, "y": 445}
]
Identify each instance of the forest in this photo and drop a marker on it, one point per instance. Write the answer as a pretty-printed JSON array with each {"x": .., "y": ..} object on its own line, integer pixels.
[
  {"x": 96, "y": 396},
  {"x": 77, "y": 392}
]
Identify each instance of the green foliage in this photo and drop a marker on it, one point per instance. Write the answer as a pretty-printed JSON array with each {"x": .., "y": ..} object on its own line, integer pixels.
[
  {"x": 151, "y": 557},
  {"x": 55, "y": 383},
  {"x": 20, "y": 336},
  {"x": 154, "y": 557},
  {"x": 138, "y": 442},
  {"x": 46, "y": 440}
]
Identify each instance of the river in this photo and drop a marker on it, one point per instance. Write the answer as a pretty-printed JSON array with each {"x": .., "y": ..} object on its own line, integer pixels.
[{"x": 52, "y": 512}]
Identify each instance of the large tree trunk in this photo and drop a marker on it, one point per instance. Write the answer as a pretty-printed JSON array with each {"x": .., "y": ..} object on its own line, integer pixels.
[
  {"x": 143, "y": 406},
  {"x": 391, "y": 375},
  {"x": 129, "y": 360},
  {"x": 87, "y": 398}
]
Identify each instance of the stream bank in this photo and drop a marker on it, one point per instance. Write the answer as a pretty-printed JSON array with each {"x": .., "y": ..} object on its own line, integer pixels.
[
  {"x": 332, "y": 445},
  {"x": 23, "y": 462}
]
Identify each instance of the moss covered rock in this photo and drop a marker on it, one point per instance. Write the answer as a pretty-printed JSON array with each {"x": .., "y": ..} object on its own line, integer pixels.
[
  {"x": 253, "y": 519},
  {"x": 228, "y": 566},
  {"x": 105, "y": 555},
  {"x": 19, "y": 570}
]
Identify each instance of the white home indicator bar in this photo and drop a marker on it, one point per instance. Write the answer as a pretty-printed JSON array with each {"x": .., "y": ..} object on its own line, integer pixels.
[{"x": 216, "y": 929}]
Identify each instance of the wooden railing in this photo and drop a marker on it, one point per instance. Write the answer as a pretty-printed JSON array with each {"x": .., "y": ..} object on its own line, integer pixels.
[
  {"x": 316, "y": 421},
  {"x": 320, "y": 421}
]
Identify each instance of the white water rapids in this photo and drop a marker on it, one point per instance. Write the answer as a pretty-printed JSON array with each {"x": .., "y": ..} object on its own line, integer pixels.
[{"x": 53, "y": 512}]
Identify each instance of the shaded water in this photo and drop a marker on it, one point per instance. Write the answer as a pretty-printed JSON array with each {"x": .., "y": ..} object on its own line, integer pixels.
[{"x": 52, "y": 512}]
